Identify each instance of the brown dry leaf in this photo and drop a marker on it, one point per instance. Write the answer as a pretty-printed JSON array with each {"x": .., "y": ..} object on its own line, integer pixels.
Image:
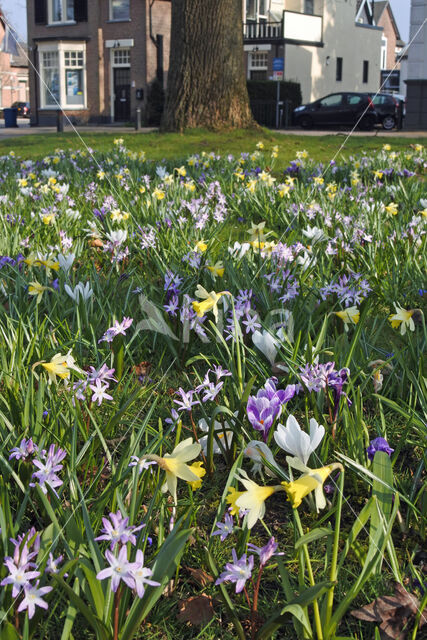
[
  {"x": 392, "y": 612},
  {"x": 199, "y": 576},
  {"x": 196, "y": 610},
  {"x": 96, "y": 242},
  {"x": 142, "y": 369}
]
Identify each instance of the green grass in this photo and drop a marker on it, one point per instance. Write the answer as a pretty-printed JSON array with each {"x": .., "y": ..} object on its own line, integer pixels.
[{"x": 169, "y": 146}]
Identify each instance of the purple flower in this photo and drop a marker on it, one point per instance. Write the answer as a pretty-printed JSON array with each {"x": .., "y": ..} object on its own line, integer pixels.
[
  {"x": 25, "y": 449},
  {"x": 116, "y": 329},
  {"x": 266, "y": 406},
  {"x": 142, "y": 574},
  {"x": 117, "y": 530},
  {"x": 224, "y": 528},
  {"x": 119, "y": 569},
  {"x": 47, "y": 468},
  {"x": 378, "y": 444},
  {"x": 265, "y": 553},
  {"x": 33, "y": 598},
  {"x": 186, "y": 403},
  {"x": 237, "y": 571},
  {"x": 19, "y": 576}
]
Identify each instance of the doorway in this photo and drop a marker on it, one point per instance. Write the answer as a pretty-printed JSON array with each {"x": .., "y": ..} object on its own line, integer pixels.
[{"x": 121, "y": 80}]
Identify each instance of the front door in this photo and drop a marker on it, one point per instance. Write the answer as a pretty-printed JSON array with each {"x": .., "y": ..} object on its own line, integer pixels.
[{"x": 122, "y": 94}]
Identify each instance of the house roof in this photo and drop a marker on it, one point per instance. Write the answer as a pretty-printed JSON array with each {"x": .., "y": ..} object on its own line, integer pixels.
[{"x": 379, "y": 8}]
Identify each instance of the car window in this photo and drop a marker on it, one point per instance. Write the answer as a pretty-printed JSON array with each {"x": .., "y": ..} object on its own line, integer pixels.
[
  {"x": 331, "y": 101},
  {"x": 353, "y": 100}
]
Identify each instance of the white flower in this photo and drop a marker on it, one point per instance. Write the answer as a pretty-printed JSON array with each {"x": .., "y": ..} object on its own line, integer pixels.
[
  {"x": 66, "y": 262},
  {"x": 80, "y": 289},
  {"x": 257, "y": 451},
  {"x": 117, "y": 238},
  {"x": 239, "y": 250},
  {"x": 293, "y": 440},
  {"x": 223, "y": 435},
  {"x": 266, "y": 344},
  {"x": 314, "y": 234}
]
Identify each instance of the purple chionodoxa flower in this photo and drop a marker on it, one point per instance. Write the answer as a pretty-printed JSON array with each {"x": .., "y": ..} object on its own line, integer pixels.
[
  {"x": 378, "y": 444},
  {"x": 237, "y": 571},
  {"x": 116, "y": 529},
  {"x": 47, "y": 466},
  {"x": 266, "y": 406},
  {"x": 266, "y": 552}
]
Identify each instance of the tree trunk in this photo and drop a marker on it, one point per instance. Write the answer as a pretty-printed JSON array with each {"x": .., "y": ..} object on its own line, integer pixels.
[{"x": 206, "y": 79}]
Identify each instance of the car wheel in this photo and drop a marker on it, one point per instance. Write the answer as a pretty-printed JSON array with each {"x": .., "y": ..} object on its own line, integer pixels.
[
  {"x": 389, "y": 122},
  {"x": 306, "y": 122},
  {"x": 367, "y": 123}
]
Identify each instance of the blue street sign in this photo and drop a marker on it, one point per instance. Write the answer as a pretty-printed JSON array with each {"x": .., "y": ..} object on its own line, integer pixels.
[{"x": 278, "y": 64}]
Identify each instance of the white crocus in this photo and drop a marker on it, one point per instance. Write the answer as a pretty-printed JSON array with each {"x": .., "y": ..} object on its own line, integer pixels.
[
  {"x": 66, "y": 262},
  {"x": 314, "y": 234},
  {"x": 80, "y": 290},
  {"x": 266, "y": 343},
  {"x": 294, "y": 440},
  {"x": 258, "y": 451},
  {"x": 222, "y": 439},
  {"x": 117, "y": 238}
]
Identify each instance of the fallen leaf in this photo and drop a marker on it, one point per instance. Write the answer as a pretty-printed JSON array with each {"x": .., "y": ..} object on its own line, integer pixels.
[
  {"x": 196, "y": 610},
  {"x": 394, "y": 613},
  {"x": 199, "y": 576}
]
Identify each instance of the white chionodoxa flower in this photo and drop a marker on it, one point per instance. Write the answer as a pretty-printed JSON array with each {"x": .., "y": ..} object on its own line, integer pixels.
[
  {"x": 294, "y": 440},
  {"x": 80, "y": 289}
]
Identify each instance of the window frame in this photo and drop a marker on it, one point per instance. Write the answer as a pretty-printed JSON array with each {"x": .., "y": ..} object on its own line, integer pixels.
[
  {"x": 111, "y": 13},
  {"x": 61, "y": 48},
  {"x": 51, "y": 22},
  {"x": 257, "y": 67},
  {"x": 365, "y": 72}
]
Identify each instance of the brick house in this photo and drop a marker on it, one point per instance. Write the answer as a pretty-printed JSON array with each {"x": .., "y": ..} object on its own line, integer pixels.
[
  {"x": 95, "y": 59},
  {"x": 327, "y": 46},
  {"x": 391, "y": 46},
  {"x": 13, "y": 74}
]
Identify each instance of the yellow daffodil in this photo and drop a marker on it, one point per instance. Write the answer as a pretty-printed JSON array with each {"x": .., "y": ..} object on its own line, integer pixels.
[
  {"x": 37, "y": 289},
  {"x": 318, "y": 180},
  {"x": 201, "y": 246},
  {"x": 283, "y": 190},
  {"x": 378, "y": 174},
  {"x": 351, "y": 315},
  {"x": 48, "y": 263},
  {"x": 118, "y": 141},
  {"x": 209, "y": 301},
  {"x": 191, "y": 161},
  {"x": 22, "y": 182},
  {"x": 101, "y": 175},
  {"x": 48, "y": 219},
  {"x": 251, "y": 186},
  {"x": 386, "y": 147},
  {"x": 253, "y": 499},
  {"x": 392, "y": 208},
  {"x": 424, "y": 212},
  {"x": 311, "y": 480},
  {"x": 217, "y": 269},
  {"x": 158, "y": 194},
  {"x": 259, "y": 145},
  {"x": 239, "y": 174},
  {"x": 418, "y": 147},
  {"x": 302, "y": 154},
  {"x": 403, "y": 319},
  {"x": 60, "y": 366},
  {"x": 199, "y": 471},
  {"x": 174, "y": 465},
  {"x": 181, "y": 171},
  {"x": 231, "y": 498}
]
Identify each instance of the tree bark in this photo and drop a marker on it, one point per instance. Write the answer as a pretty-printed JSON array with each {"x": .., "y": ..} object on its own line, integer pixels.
[{"x": 206, "y": 80}]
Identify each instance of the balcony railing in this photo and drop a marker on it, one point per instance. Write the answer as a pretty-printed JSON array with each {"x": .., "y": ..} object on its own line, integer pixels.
[
  {"x": 295, "y": 28},
  {"x": 263, "y": 31}
]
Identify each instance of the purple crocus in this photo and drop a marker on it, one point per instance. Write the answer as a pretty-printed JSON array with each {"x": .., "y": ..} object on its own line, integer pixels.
[
  {"x": 237, "y": 571},
  {"x": 266, "y": 406},
  {"x": 378, "y": 444}
]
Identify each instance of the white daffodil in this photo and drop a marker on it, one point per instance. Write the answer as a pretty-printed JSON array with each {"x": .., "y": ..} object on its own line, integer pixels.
[
  {"x": 294, "y": 440},
  {"x": 174, "y": 465},
  {"x": 253, "y": 499},
  {"x": 209, "y": 301},
  {"x": 258, "y": 452},
  {"x": 311, "y": 480},
  {"x": 351, "y": 315},
  {"x": 80, "y": 290},
  {"x": 402, "y": 318}
]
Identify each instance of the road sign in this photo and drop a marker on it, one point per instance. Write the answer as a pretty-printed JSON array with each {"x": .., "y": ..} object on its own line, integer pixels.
[
  {"x": 278, "y": 64},
  {"x": 278, "y": 75}
]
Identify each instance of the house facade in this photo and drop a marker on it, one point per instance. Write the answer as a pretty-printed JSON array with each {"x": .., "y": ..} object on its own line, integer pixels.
[
  {"x": 416, "y": 82},
  {"x": 391, "y": 47},
  {"x": 14, "y": 85},
  {"x": 95, "y": 59},
  {"x": 328, "y": 45}
]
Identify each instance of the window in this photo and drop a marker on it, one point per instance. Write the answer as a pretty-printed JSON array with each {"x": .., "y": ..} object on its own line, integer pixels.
[
  {"x": 258, "y": 65},
  {"x": 121, "y": 57},
  {"x": 339, "y": 70},
  {"x": 256, "y": 10},
  {"x": 309, "y": 7},
  {"x": 383, "y": 53},
  {"x": 63, "y": 76},
  {"x": 354, "y": 100},
  {"x": 331, "y": 101},
  {"x": 365, "y": 71},
  {"x": 61, "y": 11},
  {"x": 119, "y": 9}
]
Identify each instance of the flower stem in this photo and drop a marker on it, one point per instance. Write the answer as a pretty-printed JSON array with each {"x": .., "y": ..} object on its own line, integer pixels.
[
  {"x": 117, "y": 597},
  {"x": 317, "y": 621},
  {"x": 335, "y": 548}
]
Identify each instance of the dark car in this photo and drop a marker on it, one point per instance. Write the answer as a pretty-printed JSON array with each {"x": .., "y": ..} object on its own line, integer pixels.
[
  {"x": 23, "y": 109},
  {"x": 337, "y": 109},
  {"x": 388, "y": 109}
]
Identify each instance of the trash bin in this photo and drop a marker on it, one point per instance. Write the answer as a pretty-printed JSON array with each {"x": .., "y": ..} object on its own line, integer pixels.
[{"x": 10, "y": 116}]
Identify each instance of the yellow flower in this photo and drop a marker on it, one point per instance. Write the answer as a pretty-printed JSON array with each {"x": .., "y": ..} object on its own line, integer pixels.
[
  {"x": 251, "y": 186},
  {"x": 37, "y": 289},
  {"x": 283, "y": 190},
  {"x": 386, "y": 147},
  {"x": 253, "y": 499},
  {"x": 101, "y": 174},
  {"x": 424, "y": 212},
  {"x": 259, "y": 145},
  {"x": 118, "y": 141},
  {"x": 201, "y": 246},
  {"x": 59, "y": 366},
  {"x": 311, "y": 480},
  {"x": 403, "y": 319},
  {"x": 233, "y": 495},
  {"x": 22, "y": 182},
  {"x": 392, "y": 208},
  {"x": 49, "y": 264},
  {"x": 52, "y": 180},
  {"x": 48, "y": 218},
  {"x": 349, "y": 315},
  {"x": 378, "y": 174},
  {"x": 174, "y": 465},
  {"x": 217, "y": 270},
  {"x": 209, "y": 301},
  {"x": 181, "y": 171},
  {"x": 418, "y": 147},
  {"x": 197, "y": 468},
  {"x": 158, "y": 194},
  {"x": 302, "y": 154}
]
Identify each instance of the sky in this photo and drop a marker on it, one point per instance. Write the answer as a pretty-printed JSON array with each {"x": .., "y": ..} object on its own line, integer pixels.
[{"x": 15, "y": 11}]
